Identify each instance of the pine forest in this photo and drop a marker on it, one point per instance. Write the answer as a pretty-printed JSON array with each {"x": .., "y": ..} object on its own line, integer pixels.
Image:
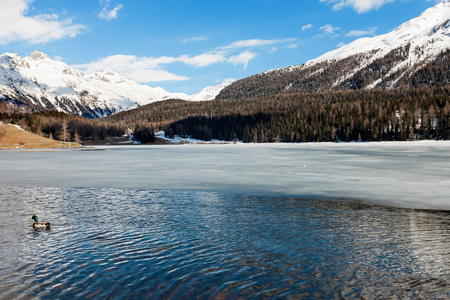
[{"x": 364, "y": 115}]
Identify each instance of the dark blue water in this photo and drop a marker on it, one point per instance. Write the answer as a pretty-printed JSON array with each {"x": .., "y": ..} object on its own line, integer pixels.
[{"x": 108, "y": 243}]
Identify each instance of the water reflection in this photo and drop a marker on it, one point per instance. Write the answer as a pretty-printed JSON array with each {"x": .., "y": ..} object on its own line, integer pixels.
[{"x": 126, "y": 243}]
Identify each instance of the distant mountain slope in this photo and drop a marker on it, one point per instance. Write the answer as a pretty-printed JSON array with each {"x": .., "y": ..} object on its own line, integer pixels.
[
  {"x": 413, "y": 55},
  {"x": 37, "y": 83}
]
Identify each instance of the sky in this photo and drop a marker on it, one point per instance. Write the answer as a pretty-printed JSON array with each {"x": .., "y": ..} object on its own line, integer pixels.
[{"x": 186, "y": 45}]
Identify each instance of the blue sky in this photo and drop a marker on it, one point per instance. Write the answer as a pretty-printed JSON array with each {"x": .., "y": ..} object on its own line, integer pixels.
[{"x": 183, "y": 45}]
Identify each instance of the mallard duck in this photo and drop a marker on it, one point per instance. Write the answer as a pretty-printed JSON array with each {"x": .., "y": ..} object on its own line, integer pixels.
[{"x": 42, "y": 225}]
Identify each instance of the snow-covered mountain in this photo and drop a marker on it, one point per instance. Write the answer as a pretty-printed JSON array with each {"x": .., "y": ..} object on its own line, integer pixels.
[
  {"x": 414, "y": 54},
  {"x": 209, "y": 93},
  {"x": 37, "y": 82}
]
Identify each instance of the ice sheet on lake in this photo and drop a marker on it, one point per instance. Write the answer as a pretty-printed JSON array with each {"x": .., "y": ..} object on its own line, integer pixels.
[{"x": 406, "y": 174}]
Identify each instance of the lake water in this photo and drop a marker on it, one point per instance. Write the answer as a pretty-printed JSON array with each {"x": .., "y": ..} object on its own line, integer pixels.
[{"x": 316, "y": 221}]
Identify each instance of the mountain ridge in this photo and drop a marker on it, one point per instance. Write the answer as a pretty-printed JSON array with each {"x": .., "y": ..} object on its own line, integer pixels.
[
  {"x": 37, "y": 83},
  {"x": 393, "y": 60}
]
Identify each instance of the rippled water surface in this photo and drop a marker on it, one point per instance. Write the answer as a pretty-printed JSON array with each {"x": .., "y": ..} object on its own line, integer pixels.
[{"x": 165, "y": 244}]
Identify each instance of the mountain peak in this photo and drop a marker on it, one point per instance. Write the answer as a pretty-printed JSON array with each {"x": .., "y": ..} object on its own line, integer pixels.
[
  {"x": 210, "y": 92},
  {"x": 8, "y": 54},
  {"x": 415, "y": 54},
  {"x": 109, "y": 72},
  {"x": 109, "y": 76},
  {"x": 9, "y": 57},
  {"x": 415, "y": 31},
  {"x": 37, "y": 82},
  {"x": 36, "y": 55}
]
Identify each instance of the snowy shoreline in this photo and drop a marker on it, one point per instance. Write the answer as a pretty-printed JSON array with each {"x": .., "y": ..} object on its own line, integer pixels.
[{"x": 177, "y": 140}]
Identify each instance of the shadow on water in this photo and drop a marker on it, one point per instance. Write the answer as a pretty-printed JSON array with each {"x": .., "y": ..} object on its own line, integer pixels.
[{"x": 160, "y": 244}]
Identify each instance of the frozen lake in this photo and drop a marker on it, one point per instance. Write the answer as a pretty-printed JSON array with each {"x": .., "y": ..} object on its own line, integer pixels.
[
  {"x": 227, "y": 222},
  {"x": 408, "y": 174}
]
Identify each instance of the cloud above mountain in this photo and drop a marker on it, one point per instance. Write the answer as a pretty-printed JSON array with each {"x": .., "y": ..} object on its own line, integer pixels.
[
  {"x": 195, "y": 39},
  {"x": 107, "y": 13},
  {"x": 141, "y": 69},
  {"x": 151, "y": 69},
  {"x": 362, "y": 32},
  {"x": 17, "y": 25},
  {"x": 329, "y": 29},
  {"x": 360, "y": 6},
  {"x": 242, "y": 58},
  {"x": 257, "y": 43}
]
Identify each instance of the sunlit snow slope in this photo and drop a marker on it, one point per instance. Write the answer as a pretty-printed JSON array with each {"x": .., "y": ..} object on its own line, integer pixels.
[
  {"x": 413, "y": 55},
  {"x": 38, "y": 83}
]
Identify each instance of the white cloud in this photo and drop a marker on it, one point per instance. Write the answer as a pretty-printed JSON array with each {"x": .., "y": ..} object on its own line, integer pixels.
[
  {"x": 57, "y": 58},
  {"x": 229, "y": 80},
  {"x": 242, "y": 58},
  {"x": 273, "y": 50},
  {"x": 152, "y": 75},
  {"x": 360, "y": 6},
  {"x": 15, "y": 25},
  {"x": 195, "y": 39},
  {"x": 107, "y": 13},
  {"x": 329, "y": 29},
  {"x": 357, "y": 33},
  {"x": 151, "y": 69},
  {"x": 245, "y": 57},
  {"x": 306, "y": 27},
  {"x": 140, "y": 69},
  {"x": 256, "y": 43},
  {"x": 202, "y": 60}
]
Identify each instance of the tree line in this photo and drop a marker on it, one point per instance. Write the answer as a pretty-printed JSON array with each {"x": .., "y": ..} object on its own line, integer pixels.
[
  {"x": 64, "y": 127},
  {"x": 329, "y": 117},
  {"x": 364, "y": 115}
]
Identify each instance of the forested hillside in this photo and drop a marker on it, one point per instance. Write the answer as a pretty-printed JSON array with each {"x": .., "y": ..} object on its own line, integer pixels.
[
  {"x": 414, "y": 55},
  {"x": 372, "y": 115},
  {"x": 382, "y": 73},
  {"x": 325, "y": 117},
  {"x": 369, "y": 115}
]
